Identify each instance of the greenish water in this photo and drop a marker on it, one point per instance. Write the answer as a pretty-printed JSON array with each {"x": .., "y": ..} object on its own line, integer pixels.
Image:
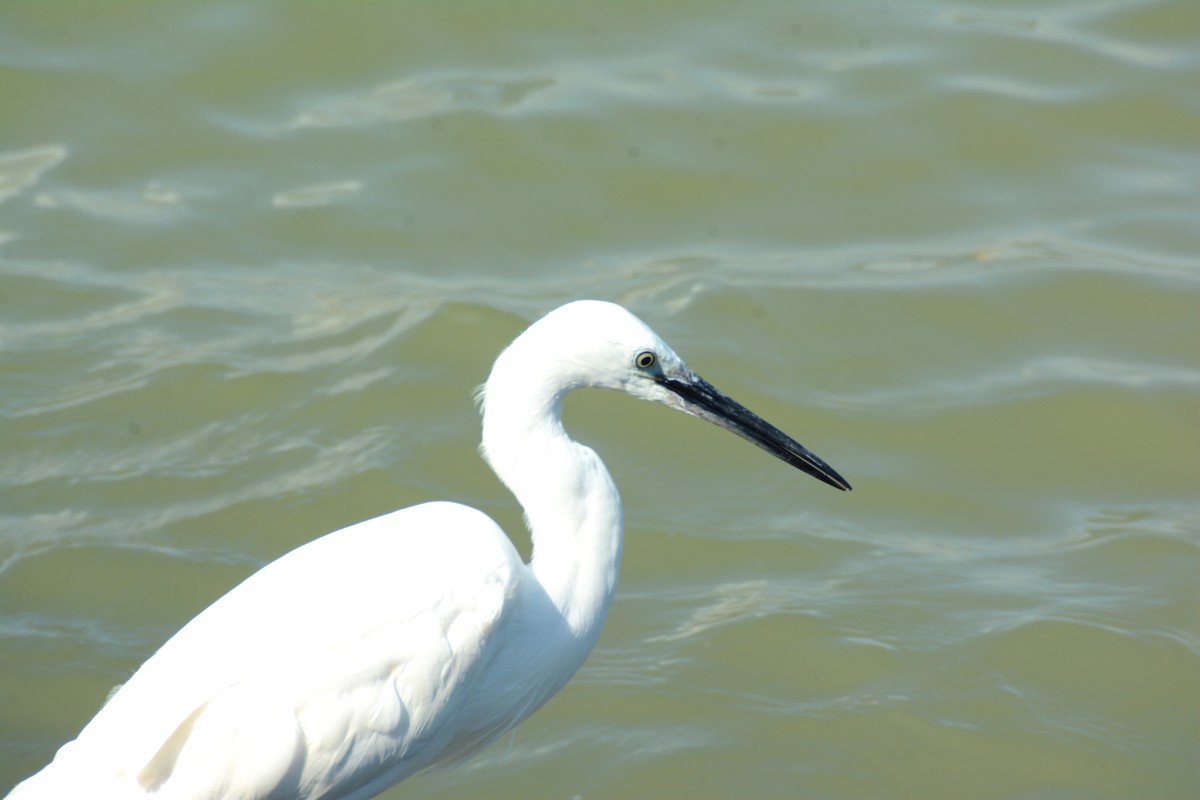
[{"x": 255, "y": 257}]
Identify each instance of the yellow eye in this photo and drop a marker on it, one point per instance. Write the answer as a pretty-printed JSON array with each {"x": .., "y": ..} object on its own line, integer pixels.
[{"x": 645, "y": 359}]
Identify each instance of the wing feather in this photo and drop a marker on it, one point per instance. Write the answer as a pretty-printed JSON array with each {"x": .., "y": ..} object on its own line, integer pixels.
[{"x": 348, "y": 656}]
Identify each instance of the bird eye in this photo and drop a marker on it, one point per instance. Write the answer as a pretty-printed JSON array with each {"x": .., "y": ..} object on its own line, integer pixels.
[{"x": 645, "y": 359}]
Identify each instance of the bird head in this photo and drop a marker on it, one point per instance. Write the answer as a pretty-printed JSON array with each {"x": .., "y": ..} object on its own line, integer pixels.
[{"x": 589, "y": 343}]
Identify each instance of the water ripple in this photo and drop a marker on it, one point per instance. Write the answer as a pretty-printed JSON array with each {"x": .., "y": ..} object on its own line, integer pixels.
[
  {"x": 1038, "y": 376},
  {"x": 21, "y": 169},
  {"x": 417, "y": 97}
]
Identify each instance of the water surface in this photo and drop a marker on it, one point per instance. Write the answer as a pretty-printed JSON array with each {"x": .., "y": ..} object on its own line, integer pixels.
[{"x": 254, "y": 258}]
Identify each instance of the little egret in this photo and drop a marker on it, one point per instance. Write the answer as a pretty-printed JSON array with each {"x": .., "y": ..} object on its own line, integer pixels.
[{"x": 413, "y": 639}]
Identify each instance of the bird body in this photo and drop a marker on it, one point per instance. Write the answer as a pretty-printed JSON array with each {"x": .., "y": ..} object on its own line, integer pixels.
[
  {"x": 413, "y": 639},
  {"x": 317, "y": 666}
]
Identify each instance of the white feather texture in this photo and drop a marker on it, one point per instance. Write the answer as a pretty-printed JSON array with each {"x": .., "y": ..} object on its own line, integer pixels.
[{"x": 409, "y": 640}]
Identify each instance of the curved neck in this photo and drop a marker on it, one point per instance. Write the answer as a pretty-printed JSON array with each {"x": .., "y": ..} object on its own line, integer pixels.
[{"x": 570, "y": 501}]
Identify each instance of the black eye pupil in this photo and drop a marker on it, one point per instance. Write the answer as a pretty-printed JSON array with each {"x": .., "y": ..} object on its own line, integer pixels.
[{"x": 645, "y": 359}]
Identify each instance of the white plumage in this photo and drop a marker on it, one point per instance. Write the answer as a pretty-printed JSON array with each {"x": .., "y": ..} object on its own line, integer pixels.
[{"x": 415, "y": 638}]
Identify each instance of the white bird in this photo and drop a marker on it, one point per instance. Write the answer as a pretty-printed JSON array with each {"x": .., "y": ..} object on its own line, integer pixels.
[{"x": 413, "y": 639}]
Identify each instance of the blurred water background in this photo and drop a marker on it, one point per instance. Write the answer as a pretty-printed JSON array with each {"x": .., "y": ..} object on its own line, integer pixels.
[{"x": 254, "y": 257}]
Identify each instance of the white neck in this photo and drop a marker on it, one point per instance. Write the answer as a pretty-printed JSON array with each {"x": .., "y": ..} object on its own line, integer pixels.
[{"x": 571, "y": 504}]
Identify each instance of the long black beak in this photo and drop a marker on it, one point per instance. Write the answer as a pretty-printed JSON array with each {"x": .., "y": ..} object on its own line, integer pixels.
[{"x": 703, "y": 400}]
